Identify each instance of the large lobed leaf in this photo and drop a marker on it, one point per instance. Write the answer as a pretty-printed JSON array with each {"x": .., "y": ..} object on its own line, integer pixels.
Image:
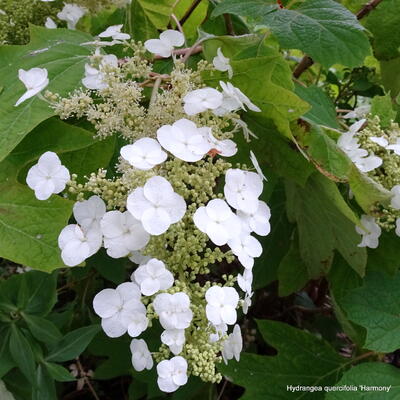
[
  {"x": 303, "y": 359},
  {"x": 61, "y": 53},
  {"x": 324, "y": 29}
]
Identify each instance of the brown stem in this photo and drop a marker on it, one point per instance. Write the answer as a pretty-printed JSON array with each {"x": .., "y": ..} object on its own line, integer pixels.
[
  {"x": 87, "y": 380},
  {"x": 189, "y": 12},
  {"x": 229, "y": 24},
  {"x": 307, "y": 61}
]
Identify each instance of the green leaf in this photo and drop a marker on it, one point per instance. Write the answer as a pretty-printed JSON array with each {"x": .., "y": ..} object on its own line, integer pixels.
[
  {"x": 112, "y": 269},
  {"x": 22, "y": 354},
  {"x": 341, "y": 280},
  {"x": 324, "y": 218},
  {"x": 386, "y": 257},
  {"x": 50, "y": 135},
  {"x": 147, "y": 16},
  {"x": 323, "y": 29},
  {"x": 376, "y": 306},
  {"x": 58, "y": 372},
  {"x": 264, "y": 76},
  {"x": 6, "y": 360},
  {"x": 303, "y": 359},
  {"x": 73, "y": 344},
  {"x": 257, "y": 9},
  {"x": 383, "y": 108},
  {"x": 57, "y": 50},
  {"x": 384, "y": 24},
  {"x": 45, "y": 388},
  {"x": 322, "y": 111},
  {"x": 292, "y": 272},
  {"x": 366, "y": 191},
  {"x": 42, "y": 329},
  {"x": 191, "y": 25},
  {"x": 326, "y": 155},
  {"x": 29, "y": 228},
  {"x": 369, "y": 374}
]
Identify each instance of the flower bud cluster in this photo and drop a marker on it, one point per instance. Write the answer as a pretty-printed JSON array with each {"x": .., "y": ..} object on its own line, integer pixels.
[{"x": 175, "y": 207}]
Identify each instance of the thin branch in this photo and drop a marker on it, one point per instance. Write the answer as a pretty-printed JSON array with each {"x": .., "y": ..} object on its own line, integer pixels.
[
  {"x": 222, "y": 390},
  {"x": 307, "y": 61},
  {"x": 154, "y": 93},
  {"x": 86, "y": 378},
  {"x": 189, "y": 12},
  {"x": 182, "y": 52},
  {"x": 229, "y": 24},
  {"x": 178, "y": 24},
  {"x": 368, "y": 8}
]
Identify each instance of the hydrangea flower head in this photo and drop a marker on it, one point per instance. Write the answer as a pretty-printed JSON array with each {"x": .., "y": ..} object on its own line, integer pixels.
[
  {"x": 164, "y": 46},
  {"x": 257, "y": 221},
  {"x": 201, "y": 100},
  {"x": 218, "y": 221},
  {"x": 246, "y": 248},
  {"x": 233, "y": 345},
  {"x": 174, "y": 339},
  {"x": 144, "y": 154},
  {"x": 35, "y": 80},
  {"x": 48, "y": 176},
  {"x": 221, "y": 305},
  {"x": 173, "y": 310},
  {"x": 78, "y": 243},
  {"x": 153, "y": 277},
  {"x": 88, "y": 213},
  {"x": 222, "y": 63},
  {"x": 141, "y": 356},
  {"x": 156, "y": 205},
  {"x": 172, "y": 374},
  {"x": 123, "y": 233},
  {"x": 185, "y": 140},
  {"x": 115, "y": 33},
  {"x": 121, "y": 310},
  {"x": 71, "y": 14},
  {"x": 370, "y": 232}
]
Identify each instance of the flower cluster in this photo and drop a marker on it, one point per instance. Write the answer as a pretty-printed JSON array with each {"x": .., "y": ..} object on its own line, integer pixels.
[
  {"x": 376, "y": 152},
  {"x": 176, "y": 208}
]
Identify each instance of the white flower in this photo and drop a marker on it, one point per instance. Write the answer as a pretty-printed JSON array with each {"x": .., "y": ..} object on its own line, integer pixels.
[
  {"x": 397, "y": 227},
  {"x": 358, "y": 112},
  {"x": 174, "y": 339},
  {"x": 153, "y": 277},
  {"x": 246, "y": 302},
  {"x": 77, "y": 244},
  {"x": 221, "y": 63},
  {"x": 220, "y": 331},
  {"x": 379, "y": 140},
  {"x": 50, "y": 24},
  {"x": 221, "y": 305},
  {"x": 141, "y": 356},
  {"x": 201, "y": 100},
  {"x": 144, "y": 154},
  {"x": 35, "y": 80},
  {"x": 71, "y": 13},
  {"x": 122, "y": 233},
  {"x": 242, "y": 189},
  {"x": 173, "y": 310},
  {"x": 348, "y": 142},
  {"x": 246, "y": 248},
  {"x": 257, "y": 166},
  {"x": 233, "y": 345},
  {"x": 121, "y": 310},
  {"x": 115, "y": 33},
  {"x": 156, "y": 205},
  {"x": 395, "y": 201},
  {"x": 88, "y": 213},
  {"x": 218, "y": 221},
  {"x": 370, "y": 232},
  {"x": 257, "y": 221},
  {"x": 172, "y": 374},
  {"x": 184, "y": 140},
  {"x": 226, "y": 148},
  {"x": 165, "y": 45},
  {"x": 395, "y": 147},
  {"x": 245, "y": 281},
  {"x": 138, "y": 258},
  {"x": 246, "y": 131},
  {"x": 95, "y": 78},
  {"x": 48, "y": 176},
  {"x": 234, "y": 99}
]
